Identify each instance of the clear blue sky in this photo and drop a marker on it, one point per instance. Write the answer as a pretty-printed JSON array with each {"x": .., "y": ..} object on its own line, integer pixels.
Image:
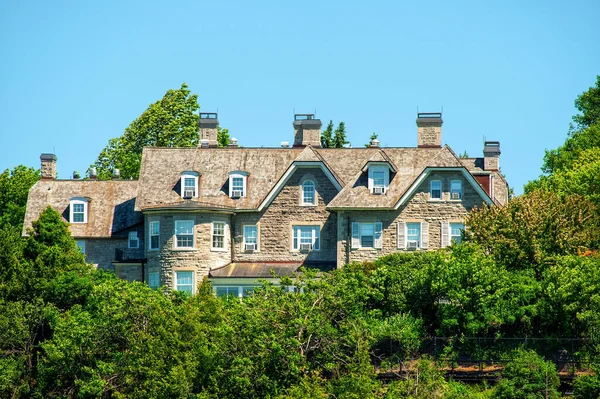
[{"x": 74, "y": 74}]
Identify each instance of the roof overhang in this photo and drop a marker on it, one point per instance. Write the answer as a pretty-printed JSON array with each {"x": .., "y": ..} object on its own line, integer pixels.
[
  {"x": 188, "y": 206},
  {"x": 378, "y": 163},
  {"x": 286, "y": 176},
  {"x": 469, "y": 177}
]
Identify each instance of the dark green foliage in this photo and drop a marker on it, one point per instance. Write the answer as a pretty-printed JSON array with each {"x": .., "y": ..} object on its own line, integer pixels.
[
  {"x": 14, "y": 187},
  {"x": 528, "y": 376},
  {"x": 588, "y": 104},
  {"x": 587, "y": 387},
  {"x": 327, "y": 136},
  {"x": 373, "y": 137},
  {"x": 334, "y": 139}
]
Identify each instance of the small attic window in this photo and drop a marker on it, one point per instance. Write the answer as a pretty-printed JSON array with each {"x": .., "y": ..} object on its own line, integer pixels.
[
  {"x": 379, "y": 179},
  {"x": 78, "y": 210},
  {"x": 237, "y": 184},
  {"x": 189, "y": 185}
]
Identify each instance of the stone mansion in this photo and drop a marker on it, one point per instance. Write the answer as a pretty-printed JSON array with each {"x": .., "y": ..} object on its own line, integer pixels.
[{"x": 235, "y": 214}]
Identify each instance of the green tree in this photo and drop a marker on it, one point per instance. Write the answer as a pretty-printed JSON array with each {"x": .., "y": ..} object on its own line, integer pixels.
[
  {"x": 528, "y": 376},
  {"x": 533, "y": 226},
  {"x": 373, "y": 137},
  {"x": 339, "y": 136},
  {"x": 169, "y": 122},
  {"x": 222, "y": 137},
  {"x": 588, "y": 104},
  {"x": 327, "y": 136},
  {"x": 14, "y": 187}
]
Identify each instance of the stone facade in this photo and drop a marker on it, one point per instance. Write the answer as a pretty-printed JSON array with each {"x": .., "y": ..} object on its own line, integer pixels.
[{"x": 420, "y": 208}]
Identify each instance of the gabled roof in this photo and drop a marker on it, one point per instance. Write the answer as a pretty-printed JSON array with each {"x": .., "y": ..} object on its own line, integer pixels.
[{"x": 110, "y": 204}]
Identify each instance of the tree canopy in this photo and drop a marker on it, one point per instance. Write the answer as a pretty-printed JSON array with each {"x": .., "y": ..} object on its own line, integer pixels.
[
  {"x": 170, "y": 122},
  {"x": 14, "y": 187},
  {"x": 331, "y": 138}
]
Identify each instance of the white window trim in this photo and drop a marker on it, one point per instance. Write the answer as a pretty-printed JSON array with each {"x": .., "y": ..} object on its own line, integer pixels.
[
  {"x": 239, "y": 174},
  {"x": 314, "y": 203},
  {"x": 212, "y": 232},
  {"x": 257, "y": 236},
  {"x": 150, "y": 248},
  {"x": 450, "y": 230},
  {"x": 81, "y": 246},
  {"x": 386, "y": 177},
  {"x": 78, "y": 201},
  {"x": 406, "y": 234},
  {"x": 185, "y": 271},
  {"x": 431, "y": 198},
  {"x": 460, "y": 191},
  {"x": 316, "y": 238},
  {"x": 157, "y": 274},
  {"x": 137, "y": 240},
  {"x": 189, "y": 175},
  {"x": 402, "y": 232},
  {"x": 175, "y": 246},
  {"x": 355, "y": 242}
]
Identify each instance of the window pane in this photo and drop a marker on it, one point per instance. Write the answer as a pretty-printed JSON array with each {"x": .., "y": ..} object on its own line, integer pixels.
[
  {"x": 154, "y": 228},
  {"x": 308, "y": 192},
  {"x": 413, "y": 232},
  {"x": 184, "y": 281},
  {"x": 237, "y": 183},
  {"x": 154, "y": 242},
  {"x": 378, "y": 179},
  {"x": 250, "y": 234},
  {"x": 366, "y": 241},
  {"x": 184, "y": 226},
  {"x": 189, "y": 183},
  {"x": 436, "y": 189},
  {"x": 153, "y": 280},
  {"x": 78, "y": 217},
  {"x": 222, "y": 291},
  {"x": 366, "y": 229}
]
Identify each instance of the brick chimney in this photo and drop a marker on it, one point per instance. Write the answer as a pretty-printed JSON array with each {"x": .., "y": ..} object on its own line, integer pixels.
[
  {"x": 491, "y": 155},
  {"x": 48, "y": 166},
  {"x": 307, "y": 130},
  {"x": 429, "y": 129},
  {"x": 208, "y": 129}
]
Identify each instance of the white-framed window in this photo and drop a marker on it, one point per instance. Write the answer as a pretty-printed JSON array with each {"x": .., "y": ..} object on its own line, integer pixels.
[
  {"x": 367, "y": 235},
  {"x": 379, "y": 177},
  {"x": 412, "y": 235},
  {"x": 154, "y": 279},
  {"x": 435, "y": 189},
  {"x": 133, "y": 241},
  {"x": 81, "y": 245},
  {"x": 184, "y": 234},
  {"x": 189, "y": 185},
  {"x": 456, "y": 232},
  {"x": 218, "y": 235},
  {"x": 306, "y": 238},
  {"x": 456, "y": 189},
  {"x": 250, "y": 238},
  {"x": 237, "y": 184},
  {"x": 238, "y": 291},
  {"x": 308, "y": 193},
  {"x": 78, "y": 210},
  {"x": 184, "y": 281},
  {"x": 154, "y": 234}
]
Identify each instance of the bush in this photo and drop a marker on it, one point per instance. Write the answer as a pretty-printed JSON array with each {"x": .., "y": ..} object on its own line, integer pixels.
[
  {"x": 587, "y": 387},
  {"x": 528, "y": 376}
]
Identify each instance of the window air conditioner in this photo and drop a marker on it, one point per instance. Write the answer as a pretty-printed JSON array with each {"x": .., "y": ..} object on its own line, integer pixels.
[
  {"x": 188, "y": 193},
  {"x": 250, "y": 247},
  {"x": 455, "y": 195},
  {"x": 306, "y": 247},
  {"x": 412, "y": 244},
  {"x": 236, "y": 193},
  {"x": 378, "y": 190}
]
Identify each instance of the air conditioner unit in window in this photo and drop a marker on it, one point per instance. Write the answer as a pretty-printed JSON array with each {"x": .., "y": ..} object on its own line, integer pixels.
[
  {"x": 378, "y": 190},
  {"x": 455, "y": 195},
  {"x": 306, "y": 247},
  {"x": 250, "y": 247},
  {"x": 237, "y": 193},
  {"x": 412, "y": 244},
  {"x": 188, "y": 193}
]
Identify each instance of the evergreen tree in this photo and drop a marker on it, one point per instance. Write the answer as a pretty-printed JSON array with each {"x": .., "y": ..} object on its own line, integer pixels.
[
  {"x": 339, "y": 137},
  {"x": 327, "y": 136}
]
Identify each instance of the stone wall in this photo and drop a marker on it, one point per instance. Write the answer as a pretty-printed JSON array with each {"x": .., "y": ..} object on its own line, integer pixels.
[
  {"x": 418, "y": 208},
  {"x": 500, "y": 189},
  {"x": 275, "y": 223},
  {"x": 168, "y": 259},
  {"x": 101, "y": 251}
]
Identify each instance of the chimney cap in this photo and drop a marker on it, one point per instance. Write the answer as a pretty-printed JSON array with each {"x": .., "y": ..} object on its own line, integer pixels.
[
  {"x": 429, "y": 117},
  {"x": 48, "y": 157},
  {"x": 491, "y": 148},
  {"x": 307, "y": 120}
]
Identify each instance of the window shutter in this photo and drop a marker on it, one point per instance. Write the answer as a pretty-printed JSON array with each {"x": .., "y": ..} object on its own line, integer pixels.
[
  {"x": 378, "y": 235},
  {"x": 424, "y": 235},
  {"x": 401, "y": 235},
  {"x": 355, "y": 235},
  {"x": 445, "y": 234}
]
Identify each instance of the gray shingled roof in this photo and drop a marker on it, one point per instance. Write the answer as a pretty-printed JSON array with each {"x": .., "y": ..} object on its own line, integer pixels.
[
  {"x": 162, "y": 168},
  {"x": 263, "y": 270},
  {"x": 110, "y": 204}
]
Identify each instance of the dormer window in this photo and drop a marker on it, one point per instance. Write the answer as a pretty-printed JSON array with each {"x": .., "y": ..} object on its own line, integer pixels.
[
  {"x": 435, "y": 189},
  {"x": 237, "y": 184},
  {"x": 189, "y": 185},
  {"x": 78, "y": 209},
  {"x": 455, "y": 189},
  {"x": 379, "y": 179}
]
